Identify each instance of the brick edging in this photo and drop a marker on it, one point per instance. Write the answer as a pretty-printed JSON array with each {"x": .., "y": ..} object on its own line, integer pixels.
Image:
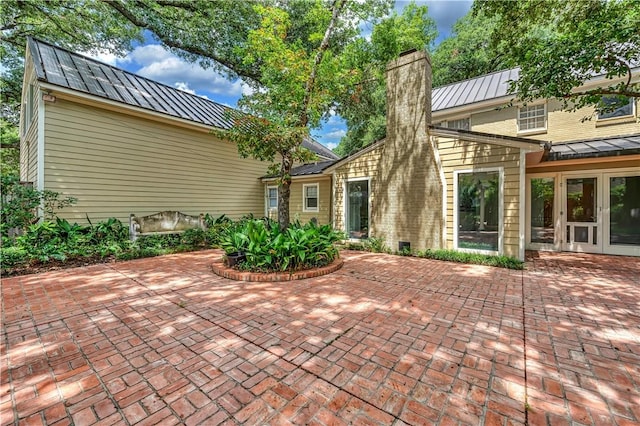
[{"x": 218, "y": 267}]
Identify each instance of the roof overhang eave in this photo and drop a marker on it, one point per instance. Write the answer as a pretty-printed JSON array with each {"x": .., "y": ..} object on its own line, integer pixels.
[{"x": 527, "y": 145}]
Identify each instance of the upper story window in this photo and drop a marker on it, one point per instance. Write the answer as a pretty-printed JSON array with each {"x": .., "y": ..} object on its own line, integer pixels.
[
  {"x": 310, "y": 194},
  {"x": 620, "y": 109},
  {"x": 29, "y": 108},
  {"x": 532, "y": 118},
  {"x": 460, "y": 124}
]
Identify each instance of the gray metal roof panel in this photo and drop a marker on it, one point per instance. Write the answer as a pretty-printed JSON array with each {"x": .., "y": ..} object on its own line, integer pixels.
[
  {"x": 485, "y": 87},
  {"x": 319, "y": 149},
  {"x": 594, "y": 148},
  {"x": 73, "y": 71},
  {"x": 311, "y": 169}
]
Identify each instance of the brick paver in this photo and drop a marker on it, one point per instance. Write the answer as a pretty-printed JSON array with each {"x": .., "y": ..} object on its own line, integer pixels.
[{"x": 385, "y": 340}]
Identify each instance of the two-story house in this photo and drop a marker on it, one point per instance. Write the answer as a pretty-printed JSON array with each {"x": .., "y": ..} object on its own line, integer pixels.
[
  {"x": 468, "y": 167},
  {"x": 463, "y": 167}
]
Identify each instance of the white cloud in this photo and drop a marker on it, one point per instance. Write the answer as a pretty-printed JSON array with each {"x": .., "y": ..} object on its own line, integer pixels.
[
  {"x": 331, "y": 145},
  {"x": 336, "y": 134},
  {"x": 160, "y": 65},
  {"x": 181, "y": 85},
  {"x": 103, "y": 56}
]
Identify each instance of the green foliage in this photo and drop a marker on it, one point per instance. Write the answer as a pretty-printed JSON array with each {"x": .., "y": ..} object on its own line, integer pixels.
[
  {"x": 478, "y": 259},
  {"x": 19, "y": 204},
  {"x": 303, "y": 75},
  {"x": 376, "y": 245},
  {"x": 61, "y": 241},
  {"x": 363, "y": 106},
  {"x": 561, "y": 44},
  {"x": 468, "y": 52},
  {"x": 9, "y": 149},
  {"x": 269, "y": 249}
]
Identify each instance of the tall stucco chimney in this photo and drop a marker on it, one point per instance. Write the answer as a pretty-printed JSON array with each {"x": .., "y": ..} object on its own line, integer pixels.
[{"x": 409, "y": 205}]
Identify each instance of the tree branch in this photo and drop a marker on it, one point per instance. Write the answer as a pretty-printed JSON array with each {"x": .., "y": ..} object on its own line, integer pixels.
[
  {"x": 612, "y": 58},
  {"x": 185, "y": 47},
  {"x": 337, "y": 7}
]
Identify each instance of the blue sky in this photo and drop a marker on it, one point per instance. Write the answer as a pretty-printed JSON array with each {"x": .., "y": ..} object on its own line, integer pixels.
[{"x": 152, "y": 61}]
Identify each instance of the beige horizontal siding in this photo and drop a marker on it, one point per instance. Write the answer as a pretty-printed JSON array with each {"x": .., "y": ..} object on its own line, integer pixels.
[
  {"x": 117, "y": 164},
  {"x": 561, "y": 125},
  {"x": 365, "y": 166},
  {"x": 29, "y": 138},
  {"x": 323, "y": 215},
  {"x": 460, "y": 155}
]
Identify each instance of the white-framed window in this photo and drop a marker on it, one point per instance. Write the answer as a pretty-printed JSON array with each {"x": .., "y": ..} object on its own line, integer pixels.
[
  {"x": 626, "y": 110},
  {"x": 478, "y": 214},
  {"x": 310, "y": 197},
  {"x": 29, "y": 108},
  {"x": 459, "y": 124},
  {"x": 272, "y": 198},
  {"x": 532, "y": 118}
]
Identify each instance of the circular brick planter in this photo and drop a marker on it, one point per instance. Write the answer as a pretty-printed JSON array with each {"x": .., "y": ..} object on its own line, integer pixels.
[{"x": 220, "y": 269}]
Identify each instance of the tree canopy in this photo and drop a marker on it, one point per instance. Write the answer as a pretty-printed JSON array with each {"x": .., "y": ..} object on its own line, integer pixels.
[
  {"x": 468, "y": 52},
  {"x": 300, "y": 83},
  {"x": 364, "y": 107},
  {"x": 561, "y": 44}
]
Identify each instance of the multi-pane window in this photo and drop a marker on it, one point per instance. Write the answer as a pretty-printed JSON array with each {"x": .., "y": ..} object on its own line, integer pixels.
[
  {"x": 272, "y": 197},
  {"x": 533, "y": 117},
  {"x": 614, "y": 107},
  {"x": 460, "y": 124},
  {"x": 310, "y": 197}
]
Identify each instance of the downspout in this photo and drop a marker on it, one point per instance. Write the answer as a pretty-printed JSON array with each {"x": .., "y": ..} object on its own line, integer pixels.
[{"x": 523, "y": 204}]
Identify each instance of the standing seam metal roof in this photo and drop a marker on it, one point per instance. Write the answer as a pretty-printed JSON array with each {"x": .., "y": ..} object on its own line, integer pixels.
[
  {"x": 488, "y": 86},
  {"x": 70, "y": 70},
  {"x": 594, "y": 148}
]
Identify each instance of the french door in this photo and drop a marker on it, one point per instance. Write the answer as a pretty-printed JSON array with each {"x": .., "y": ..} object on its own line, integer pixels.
[
  {"x": 581, "y": 213},
  {"x": 590, "y": 211}
]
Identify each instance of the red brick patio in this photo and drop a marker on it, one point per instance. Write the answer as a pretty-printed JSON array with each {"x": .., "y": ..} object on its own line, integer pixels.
[{"x": 385, "y": 340}]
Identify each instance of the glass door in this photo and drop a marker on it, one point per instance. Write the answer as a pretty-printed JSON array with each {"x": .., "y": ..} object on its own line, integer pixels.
[
  {"x": 357, "y": 211},
  {"x": 542, "y": 213},
  {"x": 581, "y": 215},
  {"x": 622, "y": 213}
]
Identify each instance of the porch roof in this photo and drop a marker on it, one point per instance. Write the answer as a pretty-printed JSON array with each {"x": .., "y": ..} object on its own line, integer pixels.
[{"x": 594, "y": 148}]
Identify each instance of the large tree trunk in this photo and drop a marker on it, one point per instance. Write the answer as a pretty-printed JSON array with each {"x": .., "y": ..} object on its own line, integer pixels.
[{"x": 284, "y": 192}]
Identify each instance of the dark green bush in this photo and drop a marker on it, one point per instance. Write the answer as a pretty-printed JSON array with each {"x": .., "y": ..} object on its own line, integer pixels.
[
  {"x": 19, "y": 204},
  {"x": 478, "y": 259},
  {"x": 269, "y": 249}
]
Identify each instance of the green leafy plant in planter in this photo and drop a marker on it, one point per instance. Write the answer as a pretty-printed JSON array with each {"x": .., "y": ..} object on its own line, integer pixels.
[{"x": 268, "y": 249}]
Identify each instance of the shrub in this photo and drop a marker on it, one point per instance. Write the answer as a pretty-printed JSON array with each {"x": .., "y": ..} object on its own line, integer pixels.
[
  {"x": 216, "y": 228},
  {"x": 376, "y": 245},
  {"x": 474, "y": 258},
  {"x": 19, "y": 204},
  {"x": 267, "y": 248},
  {"x": 12, "y": 256}
]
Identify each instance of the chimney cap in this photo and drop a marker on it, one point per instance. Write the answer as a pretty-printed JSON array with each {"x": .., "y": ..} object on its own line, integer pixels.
[{"x": 407, "y": 52}]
